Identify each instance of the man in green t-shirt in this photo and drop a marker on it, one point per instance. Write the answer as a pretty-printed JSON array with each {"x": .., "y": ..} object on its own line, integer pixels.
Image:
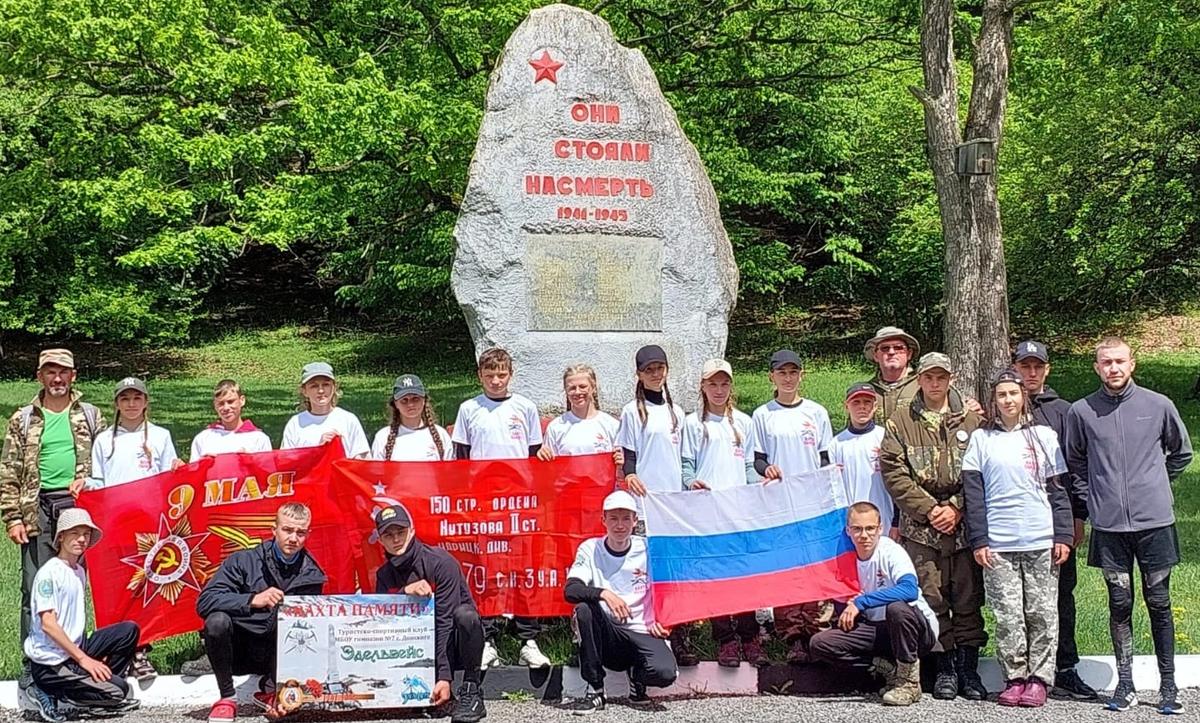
[{"x": 46, "y": 458}]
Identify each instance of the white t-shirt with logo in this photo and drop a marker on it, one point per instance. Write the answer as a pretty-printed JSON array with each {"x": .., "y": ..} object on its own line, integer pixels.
[
  {"x": 498, "y": 429},
  {"x": 624, "y": 575},
  {"x": 216, "y": 439},
  {"x": 570, "y": 436},
  {"x": 413, "y": 445},
  {"x": 58, "y": 587},
  {"x": 306, "y": 429},
  {"x": 1018, "y": 508},
  {"x": 124, "y": 458},
  {"x": 792, "y": 437},
  {"x": 720, "y": 460},
  {"x": 857, "y": 456},
  {"x": 657, "y": 446},
  {"x": 883, "y": 569}
]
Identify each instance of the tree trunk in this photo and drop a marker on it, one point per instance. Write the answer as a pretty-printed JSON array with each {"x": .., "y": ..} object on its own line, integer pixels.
[{"x": 976, "y": 286}]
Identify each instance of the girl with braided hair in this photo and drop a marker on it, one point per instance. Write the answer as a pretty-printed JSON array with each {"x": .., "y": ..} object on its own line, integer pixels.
[
  {"x": 413, "y": 435},
  {"x": 1019, "y": 524},
  {"x": 651, "y": 428},
  {"x": 717, "y": 455},
  {"x": 132, "y": 449}
]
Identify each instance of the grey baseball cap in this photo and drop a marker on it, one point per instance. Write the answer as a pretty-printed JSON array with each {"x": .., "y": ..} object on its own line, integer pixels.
[
  {"x": 312, "y": 370},
  {"x": 408, "y": 384},
  {"x": 934, "y": 360},
  {"x": 130, "y": 383}
]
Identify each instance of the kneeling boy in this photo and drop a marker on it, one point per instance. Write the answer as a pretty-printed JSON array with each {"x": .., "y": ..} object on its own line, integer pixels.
[{"x": 610, "y": 590}]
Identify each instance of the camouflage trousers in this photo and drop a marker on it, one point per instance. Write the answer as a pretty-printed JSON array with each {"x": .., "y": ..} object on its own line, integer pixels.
[{"x": 1022, "y": 590}]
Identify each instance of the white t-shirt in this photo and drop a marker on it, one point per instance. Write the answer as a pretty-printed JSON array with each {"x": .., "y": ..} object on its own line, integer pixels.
[
  {"x": 498, "y": 429},
  {"x": 792, "y": 437},
  {"x": 413, "y": 445},
  {"x": 624, "y": 574},
  {"x": 216, "y": 439},
  {"x": 883, "y": 569},
  {"x": 125, "y": 459},
  {"x": 720, "y": 460},
  {"x": 1018, "y": 508},
  {"x": 657, "y": 447},
  {"x": 857, "y": 456},
  {"x": 58, "y": 587},
  {"x": 305, "y": 430},
  {"x": 570, "y": 436}
]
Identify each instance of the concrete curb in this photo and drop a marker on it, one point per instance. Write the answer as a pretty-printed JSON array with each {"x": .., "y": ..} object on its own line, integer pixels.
[{"x": 705, "y": 679}]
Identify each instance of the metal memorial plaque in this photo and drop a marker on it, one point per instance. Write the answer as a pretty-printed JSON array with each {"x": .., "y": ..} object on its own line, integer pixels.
[{"x": 594, "y": 282}]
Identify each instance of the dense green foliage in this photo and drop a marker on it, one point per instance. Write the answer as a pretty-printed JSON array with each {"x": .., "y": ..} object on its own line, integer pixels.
[{"x": 146, "y": 147}]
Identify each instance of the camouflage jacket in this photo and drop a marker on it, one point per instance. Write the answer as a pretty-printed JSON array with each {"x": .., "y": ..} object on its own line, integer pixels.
[
  {"x": 900, "y": 394},
  {"x": 20, "y": 478},
  {"x": 921, "y": 460}
]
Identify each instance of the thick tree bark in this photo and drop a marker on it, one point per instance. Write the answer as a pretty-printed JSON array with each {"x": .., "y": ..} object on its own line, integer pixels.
[{"x": 976, "y": 286}]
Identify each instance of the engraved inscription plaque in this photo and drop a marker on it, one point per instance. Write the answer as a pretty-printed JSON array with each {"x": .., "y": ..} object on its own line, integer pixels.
[{"x": 594, "y": 282}]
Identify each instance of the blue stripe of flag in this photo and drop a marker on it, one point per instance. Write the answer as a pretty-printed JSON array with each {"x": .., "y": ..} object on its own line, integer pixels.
[{"x": 753, "y": 552}]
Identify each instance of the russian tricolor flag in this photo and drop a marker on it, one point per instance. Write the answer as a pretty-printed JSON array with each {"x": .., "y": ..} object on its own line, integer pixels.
[{"x": 728, "y": 551}]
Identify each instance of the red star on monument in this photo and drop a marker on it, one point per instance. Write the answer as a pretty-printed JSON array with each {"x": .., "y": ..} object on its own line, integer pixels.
[{"x": 546, "y": 67}]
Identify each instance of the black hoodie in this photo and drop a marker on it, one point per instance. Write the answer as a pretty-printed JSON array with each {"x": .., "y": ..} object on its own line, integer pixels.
[
  {"x": 1051, "y": 410},
  {"x": 443, "y": 573}
]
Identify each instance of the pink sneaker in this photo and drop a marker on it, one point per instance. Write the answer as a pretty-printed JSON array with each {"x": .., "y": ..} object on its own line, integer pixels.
[
  {"x": 1013, "y": 692},
  {"x": 1034, "y": 695}
]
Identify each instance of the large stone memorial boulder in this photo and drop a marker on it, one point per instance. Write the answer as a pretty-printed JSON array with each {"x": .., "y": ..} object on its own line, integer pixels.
[{"x": 589, "y": 227}]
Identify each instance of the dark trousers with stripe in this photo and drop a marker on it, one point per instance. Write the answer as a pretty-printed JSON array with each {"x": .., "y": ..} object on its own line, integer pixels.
[{"x": 112, "y": 645}]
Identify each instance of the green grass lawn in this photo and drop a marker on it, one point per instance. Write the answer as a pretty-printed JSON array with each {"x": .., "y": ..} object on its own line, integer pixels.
[{"x": 268, "y": 363}]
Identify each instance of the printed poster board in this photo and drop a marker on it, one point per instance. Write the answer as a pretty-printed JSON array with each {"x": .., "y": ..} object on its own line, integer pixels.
[{"x": 346, "y": 652}]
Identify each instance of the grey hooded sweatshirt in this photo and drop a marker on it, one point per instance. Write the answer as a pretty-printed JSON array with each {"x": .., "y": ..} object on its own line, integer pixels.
[{"x": 1126, "y": 449}]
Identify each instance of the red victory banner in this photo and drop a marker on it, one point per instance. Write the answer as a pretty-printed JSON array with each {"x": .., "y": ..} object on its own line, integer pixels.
[
  {"x": 166, "y": 535},
  {"x": 512, "y": 524}
]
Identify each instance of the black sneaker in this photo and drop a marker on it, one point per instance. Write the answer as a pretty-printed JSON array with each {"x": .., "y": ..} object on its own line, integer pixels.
[
  {"x": 591, "y": 702},
  {"x": 637, "y": 693},
  {"x": 1124, "y": 697},
  {"x": 43, "y": 705},
  {"x": 1168, "y": 700},
  {"x": 470, "y": 704},
  {"x": 1068, "y": 684},
  {"x": 26, "y": 678}
]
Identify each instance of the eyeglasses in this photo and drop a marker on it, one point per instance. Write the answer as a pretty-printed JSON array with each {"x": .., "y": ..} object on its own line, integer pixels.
[
  {"x": 892, "y": 348},
  {"x": 856, "y": 530}
]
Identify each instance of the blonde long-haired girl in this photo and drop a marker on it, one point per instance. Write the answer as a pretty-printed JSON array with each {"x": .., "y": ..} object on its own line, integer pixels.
[
  {"x": 413, "y": 435},
  {"x": 717, "y": 455},
  {"x": 583, "y": 428}
]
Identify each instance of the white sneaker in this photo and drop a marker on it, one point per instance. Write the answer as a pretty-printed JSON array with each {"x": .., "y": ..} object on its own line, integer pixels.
[
  {"x": 491, "y": 658},
  {"x": 532, "y": 655}
]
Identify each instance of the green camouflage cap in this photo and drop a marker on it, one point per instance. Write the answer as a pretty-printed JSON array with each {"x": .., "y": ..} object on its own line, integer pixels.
[{"x": 934, "y": 360}]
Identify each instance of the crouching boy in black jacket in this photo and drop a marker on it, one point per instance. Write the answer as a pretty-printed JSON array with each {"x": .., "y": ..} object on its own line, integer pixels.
[
  {"x": 238, "y": 607},
  {"x": 413, "y": 568}
]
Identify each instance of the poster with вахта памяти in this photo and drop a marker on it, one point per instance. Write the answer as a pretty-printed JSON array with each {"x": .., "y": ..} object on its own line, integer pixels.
[{"x": 346, "y": 652}]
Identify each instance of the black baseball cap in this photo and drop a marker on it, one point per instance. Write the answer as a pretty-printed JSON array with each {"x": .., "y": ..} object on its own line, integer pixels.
[
  {"x": 391, "y": 516},
  {"x": 1031, "y": 349},
  {"x": 650, "y": 354},
  {"x": 785, "y": 356}
]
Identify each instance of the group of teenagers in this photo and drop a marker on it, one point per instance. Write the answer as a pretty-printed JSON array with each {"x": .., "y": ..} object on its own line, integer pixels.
[{"x": 949, "y": 499}]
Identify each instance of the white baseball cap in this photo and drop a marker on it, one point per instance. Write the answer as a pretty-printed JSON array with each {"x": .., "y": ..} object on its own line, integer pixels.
[
  {"x": 620, "y": 500},
  {"x": 715, "y": 366}
]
